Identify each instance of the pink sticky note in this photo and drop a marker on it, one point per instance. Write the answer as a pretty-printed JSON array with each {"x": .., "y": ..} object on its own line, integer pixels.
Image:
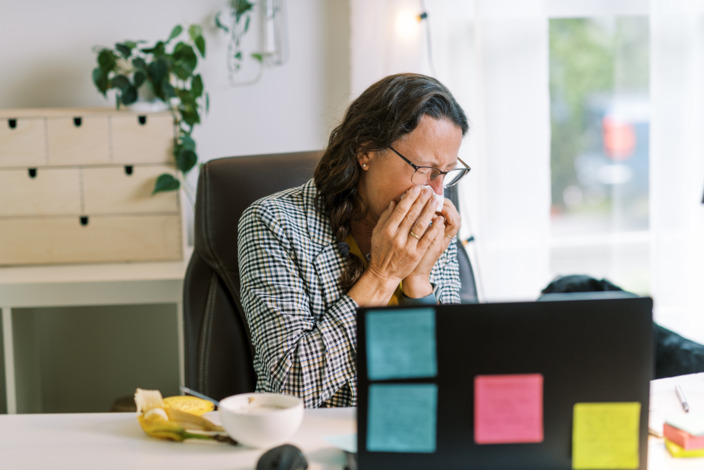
[{"x": 508, "y": 409}]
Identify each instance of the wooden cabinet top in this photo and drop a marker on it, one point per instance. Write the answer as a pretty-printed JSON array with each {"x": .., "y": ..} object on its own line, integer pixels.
[{"x": 16, "y": 113}]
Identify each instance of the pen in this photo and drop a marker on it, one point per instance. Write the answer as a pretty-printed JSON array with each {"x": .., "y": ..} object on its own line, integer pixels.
[
  {"x": 200, "y": 395},
  {"x": 682, "y": 398}
]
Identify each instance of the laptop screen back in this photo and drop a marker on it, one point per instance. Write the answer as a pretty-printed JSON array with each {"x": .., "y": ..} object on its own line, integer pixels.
[{"x": 523, "y": 385}]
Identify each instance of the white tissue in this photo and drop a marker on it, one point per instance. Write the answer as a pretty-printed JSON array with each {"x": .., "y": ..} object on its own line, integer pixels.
[{"x": 438, "y": 198}]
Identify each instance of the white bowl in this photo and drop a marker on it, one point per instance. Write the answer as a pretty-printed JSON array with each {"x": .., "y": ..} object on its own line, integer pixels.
[{"x": 261, "y": 419}]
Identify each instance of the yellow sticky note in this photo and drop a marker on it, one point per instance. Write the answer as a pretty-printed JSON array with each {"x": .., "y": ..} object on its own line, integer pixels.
[
  {"x": 677, "y": 451},
  {"x": 605, "y": 435}
]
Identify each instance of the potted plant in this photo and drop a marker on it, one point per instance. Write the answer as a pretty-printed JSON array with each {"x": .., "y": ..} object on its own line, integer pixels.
[{"x": 166, "y": 71}]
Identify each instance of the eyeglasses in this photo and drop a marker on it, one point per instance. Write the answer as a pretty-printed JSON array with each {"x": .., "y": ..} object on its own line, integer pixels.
[{"x": 427, "y": 174}]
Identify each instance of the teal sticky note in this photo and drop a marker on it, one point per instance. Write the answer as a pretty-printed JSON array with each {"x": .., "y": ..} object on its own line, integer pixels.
[
  {"x": 401, "y": 344},
  {"x": 402, "y": 418}
]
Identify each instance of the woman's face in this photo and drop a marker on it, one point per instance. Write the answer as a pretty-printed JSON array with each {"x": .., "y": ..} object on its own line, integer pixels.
[{"x": 386, "y": 176}]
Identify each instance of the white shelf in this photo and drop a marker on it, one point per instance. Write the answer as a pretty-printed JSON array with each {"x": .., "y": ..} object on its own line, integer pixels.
[
  {"x": 97, "y": 284},
  {"x": 86, "y": 285}
]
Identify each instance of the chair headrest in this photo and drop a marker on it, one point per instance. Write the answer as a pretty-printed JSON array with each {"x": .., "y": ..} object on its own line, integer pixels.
[{"x": 226, "y": 187}]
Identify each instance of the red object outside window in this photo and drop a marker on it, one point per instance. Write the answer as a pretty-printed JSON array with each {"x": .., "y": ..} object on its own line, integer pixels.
[{"x": 619, "y": 138}]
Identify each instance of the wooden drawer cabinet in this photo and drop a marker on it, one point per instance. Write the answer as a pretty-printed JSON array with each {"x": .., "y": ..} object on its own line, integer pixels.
[
  {"x": 76, "y": 187},
  {"x": 50, "y": 240},
  {"x": 22, "y": 141},
  {"x": 125, "y": 189},
  {"x": 39, "y": 191},
  {"x": 133, "y": 138},
  {"x": 78, "y": 140}
]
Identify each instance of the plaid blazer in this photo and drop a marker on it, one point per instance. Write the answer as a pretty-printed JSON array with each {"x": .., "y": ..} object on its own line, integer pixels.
[{"x": 302, "y": 324}]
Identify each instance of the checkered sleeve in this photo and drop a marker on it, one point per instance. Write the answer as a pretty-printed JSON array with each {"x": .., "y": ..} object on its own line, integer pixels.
[
  {"x": 302, "y": 346},
  {"x": 446, "y": 276}
]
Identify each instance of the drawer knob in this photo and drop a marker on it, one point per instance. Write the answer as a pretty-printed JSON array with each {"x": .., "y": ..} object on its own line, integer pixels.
[
  {"x": 84, "y": 220},
  {"x": 142, "y": 120},
  {"x": 129, "y": 169},
  {"x": 12, "y": 123},
  {"x": 32, "y": 172},
  {"x": 77, "y": 121}
]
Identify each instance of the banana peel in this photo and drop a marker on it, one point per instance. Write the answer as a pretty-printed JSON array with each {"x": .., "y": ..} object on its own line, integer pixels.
[
  {"x": 158, "y": 425},
  {"x": 191, "y": 421},
  {"x": 167, "y": 418}
]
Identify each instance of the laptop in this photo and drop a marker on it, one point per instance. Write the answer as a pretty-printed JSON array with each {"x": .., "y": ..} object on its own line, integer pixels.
[{"x": 521, "y": 385}]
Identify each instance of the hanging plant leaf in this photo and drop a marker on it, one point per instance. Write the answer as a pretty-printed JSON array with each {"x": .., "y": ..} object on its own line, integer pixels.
[
  {"x": 139, "y": 64},
  {"x": 167, "y": 91},
  {"x": 197, "y": 86},
  {"x": 188, "y": 99},
  {"x": 219, "y": 24},
  {"x": 241, "y": 7},
  {"x": 194, "y": 31},
  {"x": 166, "y": 182},
  {"x": 185, "y": 60},
  {"x": 181, "y": 70},
  {"x": 186, "y": 159},
  {"x": 258, "y": 57},
  {"x": 188, "y": 143},
  {"x": 107, "y": 59},
  {"x": 190, "y": 116},
  {"x": 158, "y": 50},
  {"x": 158, "y": 71},
  {"x": 124, "y": 49},
  {"x": 100, "y": 78},
  {"x": 139, "y": 78},
  {"x": 178, "y": 29},
  {"x": 119, "y": 81},
  {"x": 128, "y": 95},
  {"x": 200, "y": 45}
]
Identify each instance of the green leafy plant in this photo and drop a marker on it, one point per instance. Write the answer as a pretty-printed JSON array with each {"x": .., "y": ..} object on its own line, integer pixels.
[
  {"x": 167, "y": 71},
  {"x": 236, "y": 26}
]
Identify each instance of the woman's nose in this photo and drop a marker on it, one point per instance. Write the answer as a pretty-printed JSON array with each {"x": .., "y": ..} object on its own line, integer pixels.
[{"x": 437, "y": 185}]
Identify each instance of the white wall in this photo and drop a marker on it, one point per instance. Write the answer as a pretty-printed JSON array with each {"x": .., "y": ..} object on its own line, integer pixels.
[{"x": 46, "y": 61}]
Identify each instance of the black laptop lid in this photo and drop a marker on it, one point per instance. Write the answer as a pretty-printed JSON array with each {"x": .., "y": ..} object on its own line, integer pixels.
[{"x": 524, "y": 385}]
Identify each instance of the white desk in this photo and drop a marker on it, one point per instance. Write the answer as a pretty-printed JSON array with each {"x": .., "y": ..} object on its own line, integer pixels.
[
  {"x": 81, "y": 285},
  {"x": 115, "y": 441}
]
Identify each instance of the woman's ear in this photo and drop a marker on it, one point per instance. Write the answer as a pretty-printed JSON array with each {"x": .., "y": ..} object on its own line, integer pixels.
[{"x": 364, "y": 159}]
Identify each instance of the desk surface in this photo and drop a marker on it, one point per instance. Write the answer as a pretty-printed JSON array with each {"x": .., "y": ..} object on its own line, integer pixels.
[{"x": 115, "y": 441}]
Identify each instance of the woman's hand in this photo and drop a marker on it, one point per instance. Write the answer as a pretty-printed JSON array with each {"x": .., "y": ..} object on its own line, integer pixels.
[
  {"x": 396, "y": 249},
  {"x": 444, "y": 227},
  {"x": 405, "y": 247}
]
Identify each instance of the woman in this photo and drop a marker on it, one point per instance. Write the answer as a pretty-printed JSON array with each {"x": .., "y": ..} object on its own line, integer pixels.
[{"x": 366, "y": 230}]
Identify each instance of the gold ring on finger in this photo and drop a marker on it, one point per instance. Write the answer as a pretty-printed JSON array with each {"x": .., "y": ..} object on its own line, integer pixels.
[
  {"x": 414, "y": 235},
  {"x": 449, "y": 236}
]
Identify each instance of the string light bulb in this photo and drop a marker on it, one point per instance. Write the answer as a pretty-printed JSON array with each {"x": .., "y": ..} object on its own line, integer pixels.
[{"x": 407, "y": 22}]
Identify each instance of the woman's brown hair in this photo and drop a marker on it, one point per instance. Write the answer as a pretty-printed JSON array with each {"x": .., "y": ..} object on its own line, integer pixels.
[{"x": 383, "y": 113}]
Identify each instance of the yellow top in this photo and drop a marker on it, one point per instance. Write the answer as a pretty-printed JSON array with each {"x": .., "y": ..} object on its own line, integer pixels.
[{"x": 354, "y": 249}]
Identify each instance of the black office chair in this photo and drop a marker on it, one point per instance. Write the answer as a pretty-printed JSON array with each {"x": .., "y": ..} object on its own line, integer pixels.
[
  {"x": 218, "y": 348},
  {"x": 468, "y": 290},
  {"x": 217, "y": 343}
]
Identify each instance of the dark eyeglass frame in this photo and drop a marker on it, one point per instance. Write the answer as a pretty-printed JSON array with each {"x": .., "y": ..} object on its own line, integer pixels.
[{"x": 465, "y": 170}]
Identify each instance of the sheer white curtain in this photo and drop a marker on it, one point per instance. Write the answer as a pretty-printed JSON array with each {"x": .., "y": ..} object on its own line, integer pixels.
[
  {"x": 493, "y": 55},
  {"x": 386, "y": 38},
  {"x": 677, "y": 164}
]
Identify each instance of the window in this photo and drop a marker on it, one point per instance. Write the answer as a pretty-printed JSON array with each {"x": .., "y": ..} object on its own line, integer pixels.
[{"x": 599, "y": 106}]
